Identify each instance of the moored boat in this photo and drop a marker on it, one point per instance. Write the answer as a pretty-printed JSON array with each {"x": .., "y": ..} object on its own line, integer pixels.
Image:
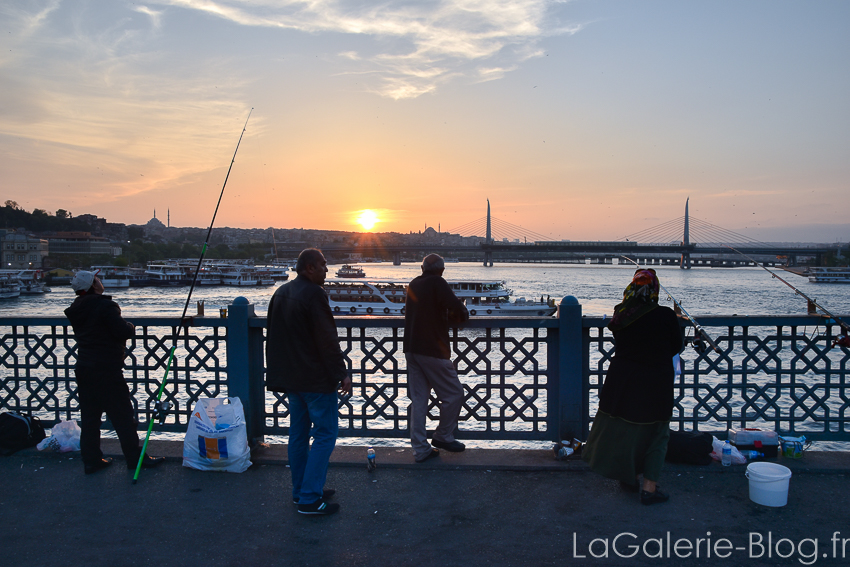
[
  {"x": 113, "y": 277},
  {"x": 30, "y": 282},
  {"x": 9, "y": 287},
  {"x": 373, "y": 297},
  {"x": 829, "y": 275}
]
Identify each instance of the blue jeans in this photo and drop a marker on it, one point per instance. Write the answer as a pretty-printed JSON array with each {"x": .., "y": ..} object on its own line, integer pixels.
[{"x": 309, "y": 465}]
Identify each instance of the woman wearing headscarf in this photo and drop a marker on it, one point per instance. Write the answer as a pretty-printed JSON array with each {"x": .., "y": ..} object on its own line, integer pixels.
[{"x": 631, "y": 429}]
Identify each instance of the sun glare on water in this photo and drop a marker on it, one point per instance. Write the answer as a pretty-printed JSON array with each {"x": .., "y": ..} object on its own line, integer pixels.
[{"x": 368, "y": 219}]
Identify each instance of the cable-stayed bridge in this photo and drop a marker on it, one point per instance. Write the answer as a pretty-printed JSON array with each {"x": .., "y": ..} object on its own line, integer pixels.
[{"x": 684, "y": 241}]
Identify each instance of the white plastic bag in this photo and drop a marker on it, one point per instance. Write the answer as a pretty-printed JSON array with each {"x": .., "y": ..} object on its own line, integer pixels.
[
  {"x": 717, "y": 453},
  {"x": 207, "y": 447},
  {"x": 64, "y": 437}
]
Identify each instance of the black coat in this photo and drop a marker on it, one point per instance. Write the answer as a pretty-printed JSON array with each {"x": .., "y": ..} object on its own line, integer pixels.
[
  {"x": 100, "y": 331},
  {"x": 429, "y": 308},
  {"x": 302, "y": 345},
  {"x": 639, "y": 384}
]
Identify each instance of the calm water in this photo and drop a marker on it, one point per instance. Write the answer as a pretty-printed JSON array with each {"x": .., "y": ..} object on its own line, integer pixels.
[{"x": 703, "y": 291}]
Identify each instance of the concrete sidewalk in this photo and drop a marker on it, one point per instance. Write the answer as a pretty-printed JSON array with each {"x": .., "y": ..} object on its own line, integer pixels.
[{"x": 480, "y": 507}]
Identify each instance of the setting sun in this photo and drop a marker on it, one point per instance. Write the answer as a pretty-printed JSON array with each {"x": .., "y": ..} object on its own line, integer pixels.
[{"x": 368, "y": 219}]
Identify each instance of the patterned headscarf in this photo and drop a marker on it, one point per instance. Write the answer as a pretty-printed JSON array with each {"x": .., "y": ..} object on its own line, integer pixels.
[{"x": 639, "y": 298}]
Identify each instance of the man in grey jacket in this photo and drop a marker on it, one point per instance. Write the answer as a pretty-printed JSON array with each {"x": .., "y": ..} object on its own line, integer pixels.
[{"x": 303, "y": 360}]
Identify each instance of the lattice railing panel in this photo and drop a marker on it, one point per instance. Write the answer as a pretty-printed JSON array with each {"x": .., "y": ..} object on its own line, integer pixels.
[
  {"x": 784, "y": 377},
  {"x": 503, "y": 372},
  {"x": 37, "y": 370}
]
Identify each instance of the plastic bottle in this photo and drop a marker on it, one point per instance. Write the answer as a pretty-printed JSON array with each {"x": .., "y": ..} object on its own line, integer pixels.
[
  {"x": 370, "y": 459},
  {"x": 752, "y": 454},
  {"x": 727, "y": 454}
]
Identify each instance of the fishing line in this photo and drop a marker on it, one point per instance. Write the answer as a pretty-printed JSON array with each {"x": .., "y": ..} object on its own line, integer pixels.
[
  {"x": 812, "y": 303},
  {"x": 161, "y": 408},
  {"x": 697, "y": 342}
]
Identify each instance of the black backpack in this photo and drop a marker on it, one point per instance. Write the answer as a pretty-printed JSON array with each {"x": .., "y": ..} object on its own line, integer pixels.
[
  {"x": 689, "y": 447},
  {"x": 19, "y": 432}
]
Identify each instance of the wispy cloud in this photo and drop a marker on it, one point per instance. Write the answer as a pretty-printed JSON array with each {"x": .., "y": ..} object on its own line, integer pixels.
[
  {"x": 83, "y": 93},
  {"x": 418, "y": 45}
]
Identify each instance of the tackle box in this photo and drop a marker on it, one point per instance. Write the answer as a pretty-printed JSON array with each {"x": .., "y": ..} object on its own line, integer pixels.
[{"x": 746, "y": 439}]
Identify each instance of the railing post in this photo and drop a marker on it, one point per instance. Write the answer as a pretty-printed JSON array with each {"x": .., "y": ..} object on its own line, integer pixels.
[
  {"x": 570, "y": 379},
  {"x": 242, "y": 367}
]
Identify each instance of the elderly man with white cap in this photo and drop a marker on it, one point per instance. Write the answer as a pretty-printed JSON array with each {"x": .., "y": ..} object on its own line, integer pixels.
[{"x": 101, "y": 334}]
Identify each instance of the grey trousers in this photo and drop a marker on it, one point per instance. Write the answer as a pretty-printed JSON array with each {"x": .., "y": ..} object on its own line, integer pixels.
[{"x": 423, "y": 374}]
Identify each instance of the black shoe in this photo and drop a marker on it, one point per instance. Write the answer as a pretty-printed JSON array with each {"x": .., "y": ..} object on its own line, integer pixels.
[
  {"x": 432, "y": 454},
  {"x": 101, "y": 464},
  {"x": 327, "y": 493},
  {"x": 453, "y": 447},
  {"x": 147, "y": 463},
  {"x": 657, "y": 497},
  {"x": 318, "y": 508}
]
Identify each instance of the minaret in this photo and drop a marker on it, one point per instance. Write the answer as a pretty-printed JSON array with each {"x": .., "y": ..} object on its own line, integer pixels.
[{"x": 169, "y": 217}]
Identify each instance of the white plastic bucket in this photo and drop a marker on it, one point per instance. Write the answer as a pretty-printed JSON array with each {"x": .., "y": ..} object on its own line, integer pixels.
[{"x": 768, "y": 483}]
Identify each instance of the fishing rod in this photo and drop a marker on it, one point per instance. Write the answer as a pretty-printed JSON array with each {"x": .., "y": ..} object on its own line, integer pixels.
[
  {"x": 697, "y": 342},
  {"x": 161, "y": 408},
  {"x": 813, "y": 305}
]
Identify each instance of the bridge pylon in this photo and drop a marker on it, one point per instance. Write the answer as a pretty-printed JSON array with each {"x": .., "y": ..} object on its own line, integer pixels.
[{"x": 685, "y": 261}]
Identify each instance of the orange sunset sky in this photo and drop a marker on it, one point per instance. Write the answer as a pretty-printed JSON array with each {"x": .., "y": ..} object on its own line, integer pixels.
[{"x": 577, "y": 119}]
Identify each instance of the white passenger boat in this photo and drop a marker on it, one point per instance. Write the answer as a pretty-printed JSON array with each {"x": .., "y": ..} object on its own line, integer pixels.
[
  {"x": 238, "y": 275},
  {"x": 829, "y": 275},
  {"x": 30, "y": 282},
  {"x": 347, "y": 271},
  {"x": 166, "y": 274},
  {"x": 9, "y": 287},
  {"x": 373, "y": 297},
  {"x": 113, "y": 277},
  {"x": 278, "y": 272},
  {"x": 264, "y": 277},
  {"x": 209, "y": 275}
]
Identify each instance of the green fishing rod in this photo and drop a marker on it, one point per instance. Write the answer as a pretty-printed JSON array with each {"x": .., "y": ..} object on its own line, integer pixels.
[
  {"x": 812, "y": 303},
  {"x": 697, "y": 342},
  {"x": 161, "y": 408}
]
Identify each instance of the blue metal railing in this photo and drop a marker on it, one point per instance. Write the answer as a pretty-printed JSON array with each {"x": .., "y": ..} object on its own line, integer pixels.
[{"x": 525, "y": 378}]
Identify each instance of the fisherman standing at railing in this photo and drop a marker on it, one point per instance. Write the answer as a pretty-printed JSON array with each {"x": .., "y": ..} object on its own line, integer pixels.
[
  {"x": 430, "y": 308},
  {"x": 101, "y": 334},
  {"x": 303, "y": 359},
  {"x": 632, "y": 427}
]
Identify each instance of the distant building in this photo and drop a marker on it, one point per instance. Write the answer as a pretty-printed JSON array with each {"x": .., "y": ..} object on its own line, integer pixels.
[
  {"x": 81, "y": 243},
  {"x": 19, "y": 251}
]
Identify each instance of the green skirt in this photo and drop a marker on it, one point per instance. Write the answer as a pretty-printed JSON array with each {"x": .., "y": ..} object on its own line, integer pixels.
[{"x": 622, "y": 450}]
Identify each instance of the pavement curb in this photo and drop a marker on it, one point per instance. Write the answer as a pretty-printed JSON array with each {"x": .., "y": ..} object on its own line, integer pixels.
[{"x": 520, "y": 460}]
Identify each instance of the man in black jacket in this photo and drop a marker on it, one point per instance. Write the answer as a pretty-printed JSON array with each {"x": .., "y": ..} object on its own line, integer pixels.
[
  {"x": 303, "y": 359},
  {"x": 430, "y": 306},
  {"x": 101, "y": 334}
]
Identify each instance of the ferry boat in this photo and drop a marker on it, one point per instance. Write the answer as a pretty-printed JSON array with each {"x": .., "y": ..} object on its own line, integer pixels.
[
  {"x": 113, "y": 277},
  {"x": 347, "y": 271},
  {"x": 238, "y": 275},
  {"x": 829, "y": 275},
  {"x": 278, "y": 272},
  {"x": 264, "y": 277},
  {"x": 29, "y": 282},
  {"x": 209, "y": 275},
  {"x": 9, "y": 287},
  {"x": 166, "y": 274},
  {"x": 482, "y": 299}
]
